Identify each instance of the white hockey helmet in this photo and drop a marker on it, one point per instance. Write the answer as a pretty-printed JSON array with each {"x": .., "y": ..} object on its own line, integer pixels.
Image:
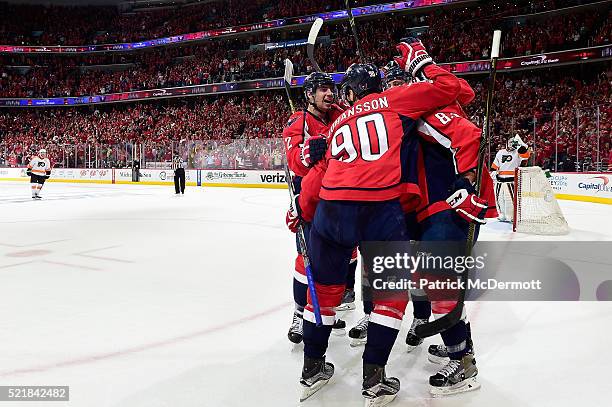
[{"x": 42, "y": 151}]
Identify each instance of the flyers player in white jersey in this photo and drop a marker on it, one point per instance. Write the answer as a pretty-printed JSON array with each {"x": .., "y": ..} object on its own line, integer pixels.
[
  {"x": 507, "y": 160},
  {"x": 39, "y": 170}
]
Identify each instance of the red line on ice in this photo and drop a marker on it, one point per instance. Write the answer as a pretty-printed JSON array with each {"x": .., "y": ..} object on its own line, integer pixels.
[{"x": 104, "y": 356}]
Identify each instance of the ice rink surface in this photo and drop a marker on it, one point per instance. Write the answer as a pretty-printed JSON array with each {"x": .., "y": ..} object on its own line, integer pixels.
[{"x": 135, "y": 297}]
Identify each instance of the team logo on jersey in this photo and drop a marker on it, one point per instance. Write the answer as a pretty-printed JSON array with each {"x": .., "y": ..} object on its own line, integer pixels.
[
  {"x": 41, "y": 164},
  {"x": 291, "y": 121},
  {"x": 505, "y": 158}
]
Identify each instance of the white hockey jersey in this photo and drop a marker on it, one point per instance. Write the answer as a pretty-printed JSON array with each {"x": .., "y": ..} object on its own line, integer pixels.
[
  {"x": 507, "y": 161},
  {"x": 40, "y": 166}
]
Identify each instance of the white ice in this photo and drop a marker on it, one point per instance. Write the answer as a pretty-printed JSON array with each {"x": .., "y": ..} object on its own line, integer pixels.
[{"x": 135, "y": 297}]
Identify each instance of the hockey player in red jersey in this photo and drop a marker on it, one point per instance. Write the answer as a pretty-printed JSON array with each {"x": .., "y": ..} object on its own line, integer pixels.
[
  {"x": 306, "y": 144},
  {"x": 369, "y": 167},
  {"x": 448, "y": 157}
]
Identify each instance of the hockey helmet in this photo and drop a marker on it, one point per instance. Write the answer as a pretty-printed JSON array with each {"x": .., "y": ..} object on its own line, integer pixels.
[
  {"x": 393, "y": 72},
  {"x": 316, "y": 79},
  {"x": 362, "y": 79},
  {"x": 42, "y": 151}
]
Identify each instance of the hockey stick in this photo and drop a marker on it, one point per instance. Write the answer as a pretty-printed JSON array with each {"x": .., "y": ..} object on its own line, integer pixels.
[
  {"x": 447, "y": 321},
  {"x": 287, "y": 81},
  {"x": 349, "y": 10},
  {"x": 300, "y": 232},
  {"x": 312, "y": 39}
]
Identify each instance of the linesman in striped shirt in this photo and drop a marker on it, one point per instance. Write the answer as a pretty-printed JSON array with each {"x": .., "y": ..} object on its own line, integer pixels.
[{"x": 178, "y": 165}]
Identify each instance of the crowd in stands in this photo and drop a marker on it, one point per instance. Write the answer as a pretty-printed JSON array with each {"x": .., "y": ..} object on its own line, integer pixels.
[
  {"x": 236, "y": 131},
  {"x": 62, "y": 131},
  {"x": 555, "y": 113},
  {"x": 55, "y": 25},
  {"x": 453, "y": 35}
]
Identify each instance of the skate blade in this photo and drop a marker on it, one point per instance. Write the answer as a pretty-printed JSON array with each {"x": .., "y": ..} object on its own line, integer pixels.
[
  {"x": 296, "y": 341},
  {"x": 467, "y": 385},
  {"x": 355, "y": 342},
  {"x": 379, "y": 401},
  {"x": 349, "y": 306},
  {"x": 339, "y": 332},
  {"x": 438, "y": 360},
  {"x": 309, "y": 391},
  {"x": 410, "y": 348}
]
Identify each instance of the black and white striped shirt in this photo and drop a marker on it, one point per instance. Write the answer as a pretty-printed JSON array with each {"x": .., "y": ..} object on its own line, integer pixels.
[{"x": 177, "y": 163}]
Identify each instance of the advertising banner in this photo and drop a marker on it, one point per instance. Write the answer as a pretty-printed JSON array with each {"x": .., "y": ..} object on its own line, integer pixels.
[
  {"x": 587, "y": 186},
  {"x": 482, "y": 66},
  {"x": 590, "y": 187}
]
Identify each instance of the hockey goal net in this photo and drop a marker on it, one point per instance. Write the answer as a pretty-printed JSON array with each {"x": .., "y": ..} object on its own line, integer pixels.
[{"x": 536, "y": 209}]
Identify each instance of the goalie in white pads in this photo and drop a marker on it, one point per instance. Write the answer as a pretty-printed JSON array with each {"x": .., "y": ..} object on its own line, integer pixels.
[
  {"x": 507, "y": 160},
  {"x": 39, "y": 170}
]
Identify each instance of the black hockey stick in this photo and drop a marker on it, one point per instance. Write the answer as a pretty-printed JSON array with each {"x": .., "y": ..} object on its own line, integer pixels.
[
  {"x": 300, "y": 232},
  {"x": 349, "y": 10},
  {"x": 312, "y": 39},
  {"x": 447, "y": 321}
]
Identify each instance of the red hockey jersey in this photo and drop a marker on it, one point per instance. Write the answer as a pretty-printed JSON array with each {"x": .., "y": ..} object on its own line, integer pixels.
[
  {"x": 449, "y": 137},
  {"x": 300, "y": 126},
  {"x": 370, "y": 150}
]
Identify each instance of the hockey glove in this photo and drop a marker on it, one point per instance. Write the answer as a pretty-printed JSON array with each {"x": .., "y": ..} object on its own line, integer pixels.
[
  {"x": 293, "y": 218},
  {"x": 313, "y": 150},
  {"x": 413, "y": 56},
  {"x": 29, "y": 172},
  {"x": 468, "y": 206}
]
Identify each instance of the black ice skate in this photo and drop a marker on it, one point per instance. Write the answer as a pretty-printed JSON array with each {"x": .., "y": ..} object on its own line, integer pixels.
[
  {"x": 296, "y": 331},
  {"x": 439, "y": 354},
  {"x": 359, "y": 333},
  {"x": 378, "y": 390},
  {"x": 339, "y": 327},
  {"x": 348, "y": 301},
  {"x": 412, "y": 340},
  {"x": 315, "y": 374},
  {"x": 458, "y": 376}
]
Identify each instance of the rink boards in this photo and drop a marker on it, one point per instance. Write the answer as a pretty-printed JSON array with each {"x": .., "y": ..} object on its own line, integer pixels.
[
  {"x": 588, "y": 187},
  {"x": 206, "y": 178}
]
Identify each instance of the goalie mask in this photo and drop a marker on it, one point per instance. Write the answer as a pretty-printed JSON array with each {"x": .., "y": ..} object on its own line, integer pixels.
[{"x": 512, "y": 144}]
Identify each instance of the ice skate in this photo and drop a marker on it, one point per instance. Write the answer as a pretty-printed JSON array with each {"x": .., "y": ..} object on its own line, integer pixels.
[
  {"x": 339, "y": 327},
  {"x": 315, "y": 374},
  {"x": 348, "y": 301},
  {"x": 412, "y": 340},
  {"x": 458, "y": 376},
  {"x": 359, "y": 333},
  {"x": 378, "y": 390},
  {"x": 437, "y": 354},
  {"x": 296, "y": 331}
]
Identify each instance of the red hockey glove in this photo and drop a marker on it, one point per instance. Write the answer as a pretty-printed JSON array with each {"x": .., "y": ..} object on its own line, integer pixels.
[
  {"x": 313, "y": 150},
  {"x": 469, "y": 206},
  {"x": 292, "y": 220},
  {"x": 413, "y": 57}
]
